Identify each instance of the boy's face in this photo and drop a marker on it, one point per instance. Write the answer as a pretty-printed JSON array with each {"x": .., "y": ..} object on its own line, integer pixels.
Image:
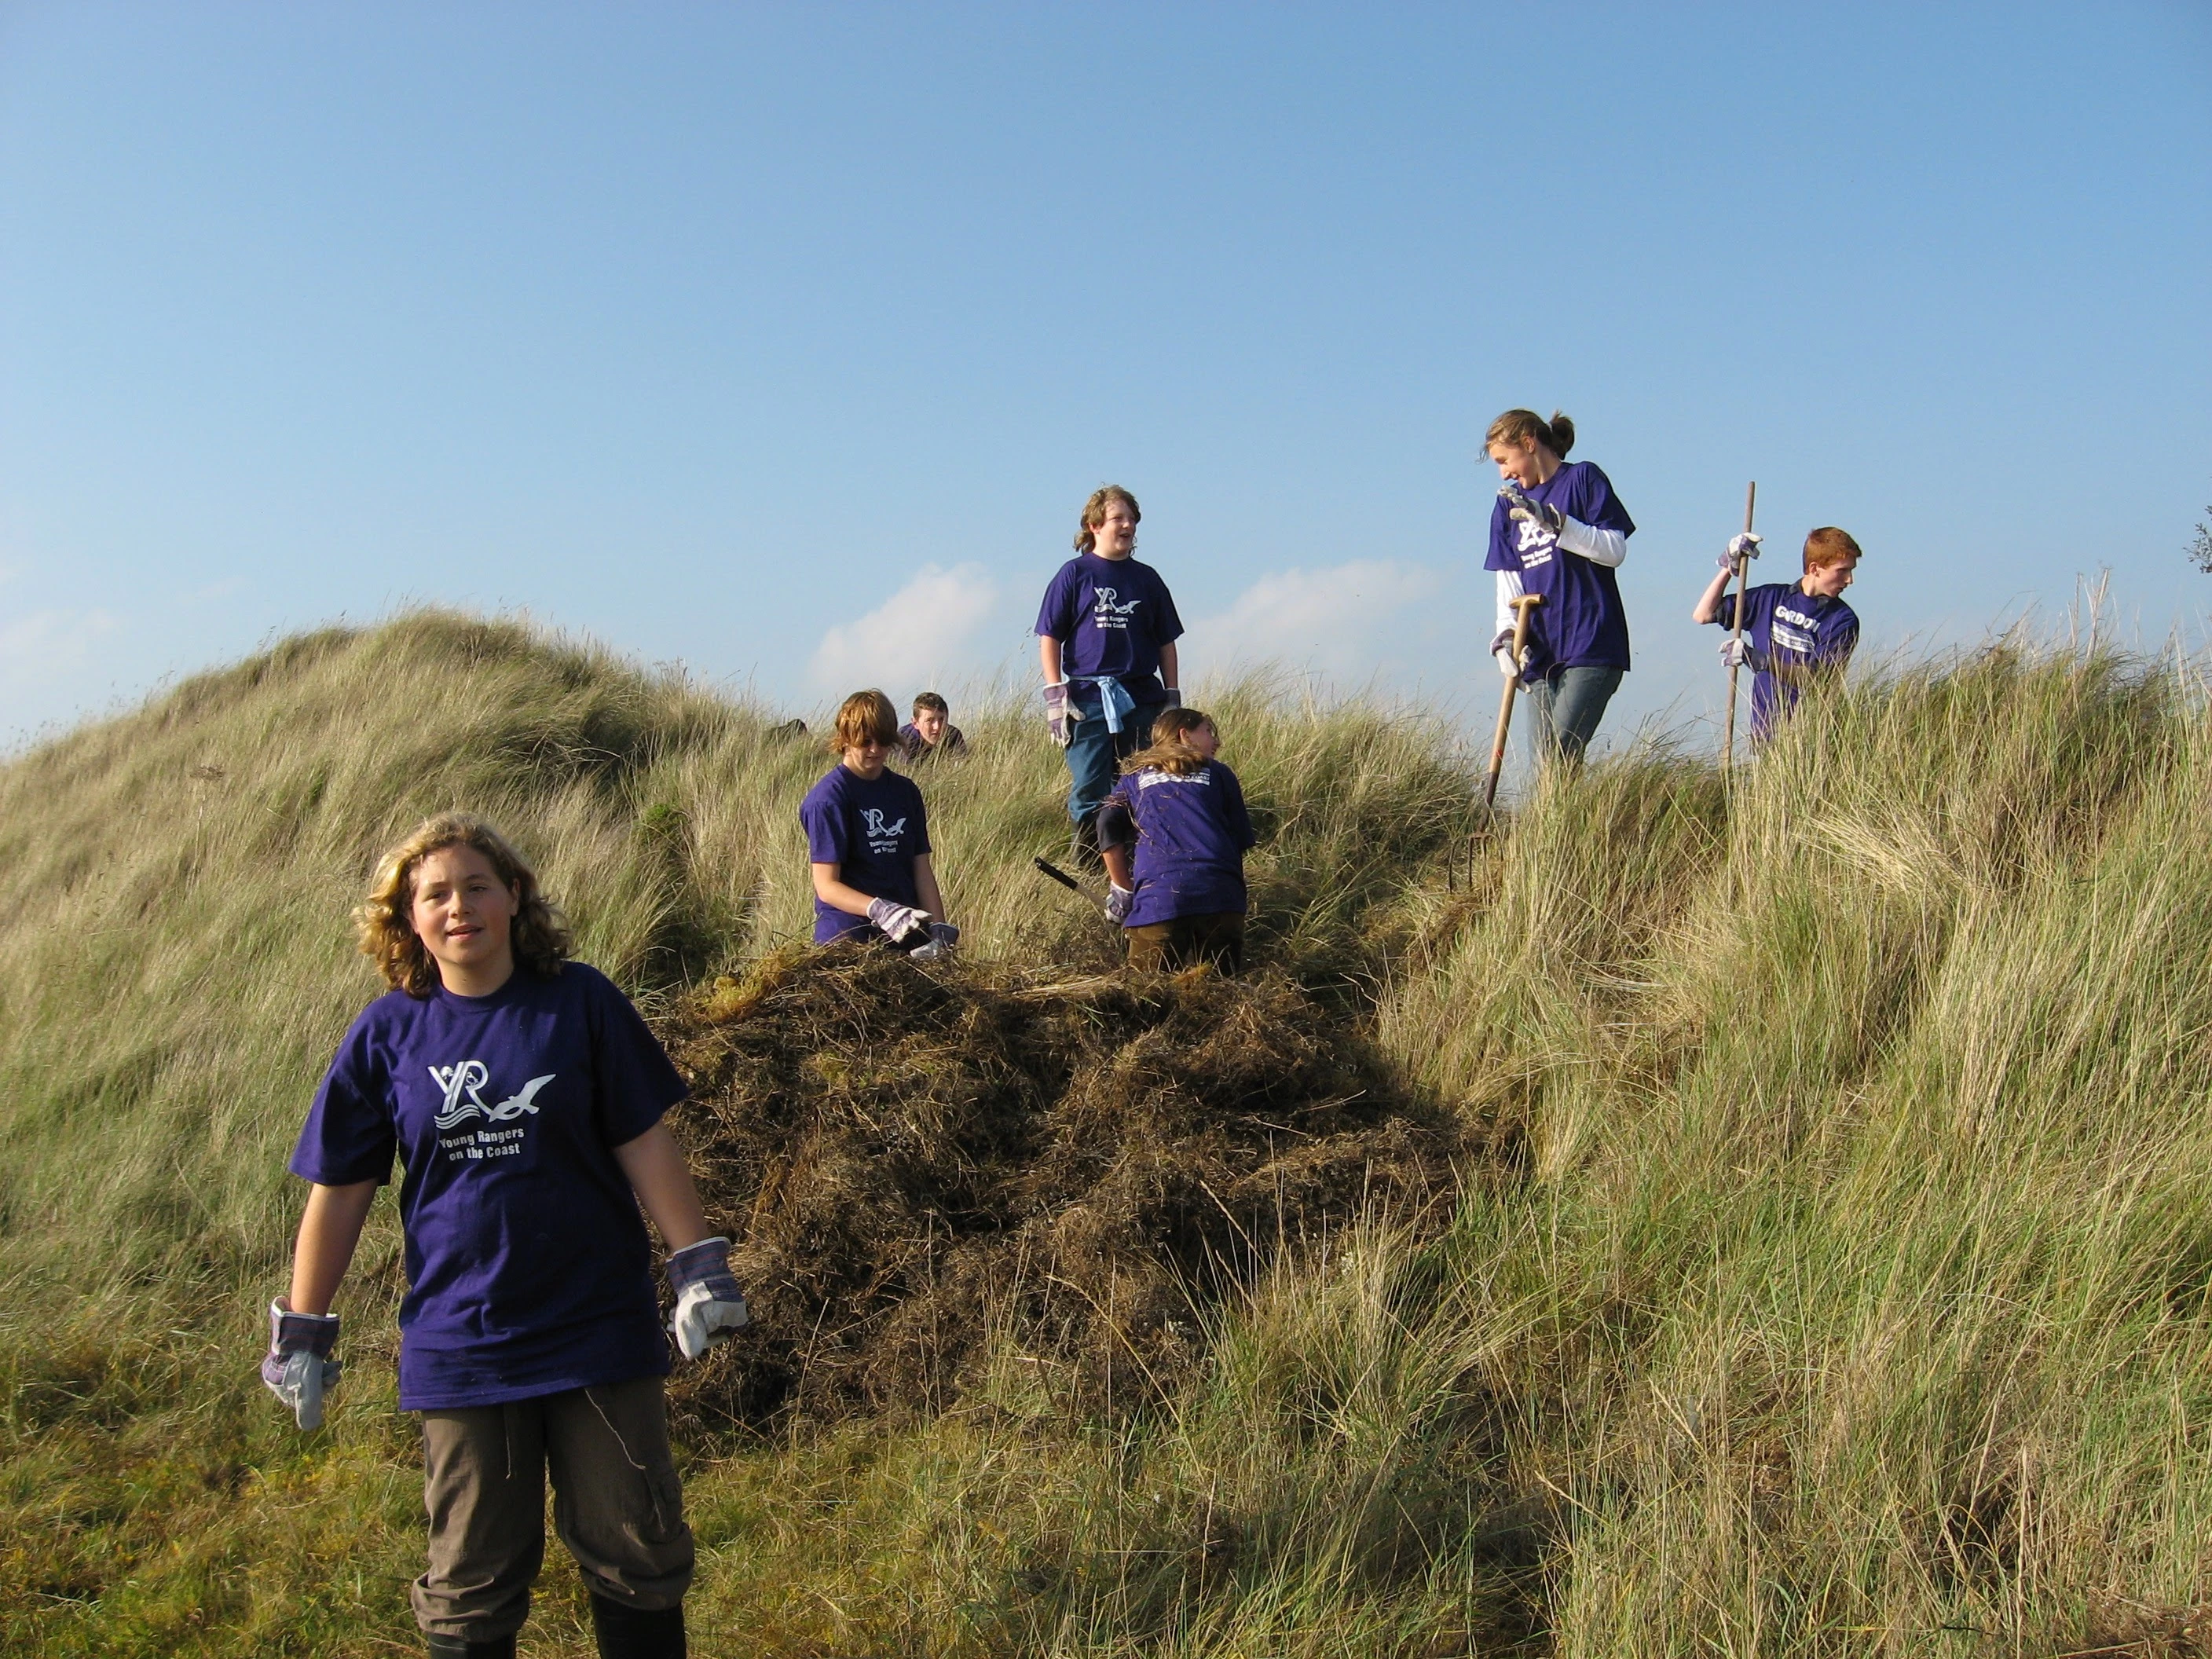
[
  {"x": 1829, "y": 581},
  {"x": 930, "y": 723},
  {"x": 867, "y": 758},
  {"x": 462, "y": 912},
  {"x": 1518, "y": 462},
  {"x": 1204, "y": 738},
  {"x": 1115, "y": 534}
]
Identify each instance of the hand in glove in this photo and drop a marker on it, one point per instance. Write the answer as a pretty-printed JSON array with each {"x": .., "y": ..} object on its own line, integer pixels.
[
  {"x": 1118, "y": 899},
  {"x": 898, "y": 922},
  {"x": 708, "y": 1304},
  {"x": 298, "y": 1368},
  {"x": 943, "y": 936},
  {"x": 1058, "y": 716},
  {"x": 1741, "y": 548},
  {"x": 1174, "y": 699},
  {"x": 1502, "y": 649},
  {"x": 1524, "y": 506},
  {"x": 1738, "y": 653}
]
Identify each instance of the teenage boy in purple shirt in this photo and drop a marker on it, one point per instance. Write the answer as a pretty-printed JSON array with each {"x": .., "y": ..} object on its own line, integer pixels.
[
  {"x": 931, "y": 732},
  {"x": 1793, "y": 632},
  {"x": 1559, "y": 531},
  {"x": 1173, "y": 836},
  {"x": 524, "y": 1097},
  {"x": 1106, "y": 639},
  {"x": 867, "y": 841}
]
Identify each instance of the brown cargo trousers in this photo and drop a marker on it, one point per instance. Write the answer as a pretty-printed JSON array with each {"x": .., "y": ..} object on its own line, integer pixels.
[
  {"x": 617, "y": 1505},
  {"x": 1168, "y": 947}
]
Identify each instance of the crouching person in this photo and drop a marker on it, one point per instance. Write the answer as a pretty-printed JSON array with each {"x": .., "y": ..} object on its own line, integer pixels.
[
  {"x": 1173, "y": 834},
  {"x": 524, "y": 1097},
  {"x": 867, "y": 840}
]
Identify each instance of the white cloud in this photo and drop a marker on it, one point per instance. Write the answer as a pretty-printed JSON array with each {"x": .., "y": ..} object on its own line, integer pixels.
[
  {"x": 915, "y": 638},
  {"x": 39, "y": 644},
  {"x": 1350, "y": 622}
]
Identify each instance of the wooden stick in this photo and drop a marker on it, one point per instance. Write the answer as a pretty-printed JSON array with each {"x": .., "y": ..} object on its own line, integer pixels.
[
  {"x": 1742, "y": 585},
  {"x": 1522, "y": 606}
]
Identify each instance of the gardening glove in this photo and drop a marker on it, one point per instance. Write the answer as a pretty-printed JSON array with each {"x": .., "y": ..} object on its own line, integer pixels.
[
  {"x": 1741, "y": 548},
  {"x": 1174, "y": 699},
  {"x": 1058, "y": 716},
  {"x": 1524, "y": 506},
  {"x": 943, "y": 936},
  {"x": 1118, "y": 899},
  {"x": 708, "y": 1304},
  {"x": 1502, "y": 649},
  {"x": 1738, "y": 653},
  {"x": 298, "y": 1367},
  {"x": 898, "y": 922}
]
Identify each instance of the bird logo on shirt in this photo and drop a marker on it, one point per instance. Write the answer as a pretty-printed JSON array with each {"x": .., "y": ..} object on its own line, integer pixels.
[
  {"x": 1109, "y": 611},
  {"x": 878, "y": 830},
  {"x": 466, "y": 1079}
]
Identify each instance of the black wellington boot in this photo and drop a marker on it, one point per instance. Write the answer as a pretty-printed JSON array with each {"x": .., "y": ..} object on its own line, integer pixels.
[
  {"x": 627, "y": 1632},
  {"x": 453, "y": 1647}
]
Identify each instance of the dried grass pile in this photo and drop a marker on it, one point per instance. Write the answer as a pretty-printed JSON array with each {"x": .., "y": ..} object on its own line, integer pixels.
[{"x": 919, "y": 1162}]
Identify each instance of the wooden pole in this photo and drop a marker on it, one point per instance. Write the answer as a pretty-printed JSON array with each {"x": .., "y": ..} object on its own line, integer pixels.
[
  {"x": 1522, "y": 606},
  {"x": 1742, "y": 584}
]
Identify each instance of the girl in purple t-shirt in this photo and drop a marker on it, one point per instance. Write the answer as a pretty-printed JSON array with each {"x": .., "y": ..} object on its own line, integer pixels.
[
  {"x": 1557, "y": 531},
  {"x": 1173, "y": 836},
  {"x": 524, "y": 1096}
]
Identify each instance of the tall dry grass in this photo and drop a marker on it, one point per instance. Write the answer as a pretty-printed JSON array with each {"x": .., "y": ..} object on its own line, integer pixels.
[{"x": 1832, "y": 1279}]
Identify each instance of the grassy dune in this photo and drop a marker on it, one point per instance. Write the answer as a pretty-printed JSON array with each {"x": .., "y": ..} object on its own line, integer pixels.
[{"x": 1833, "y": 1279}]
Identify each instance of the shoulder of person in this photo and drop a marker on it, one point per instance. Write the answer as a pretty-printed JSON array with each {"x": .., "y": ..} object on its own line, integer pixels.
[{"x": 827, "y": 787}]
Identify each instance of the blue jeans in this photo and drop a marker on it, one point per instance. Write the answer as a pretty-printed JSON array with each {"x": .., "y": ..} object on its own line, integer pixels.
[
  {"x": 1095, "y": 755},
  {"x": 1570, "y": 702}
]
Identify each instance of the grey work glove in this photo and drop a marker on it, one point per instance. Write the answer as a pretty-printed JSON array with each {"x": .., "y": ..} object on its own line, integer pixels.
[
  {"x": 1059, "y": 718},
  {"x": 1118, "y": 899},
  {"x": 1741, "y": 550},
  {"x": 897, "y": 922},
  {"x": 1174, "y": 699},
  {"x": 1738, "y": 653},
  {"x": 1524, "y": 506},
  {"x": 298, "y": 1368},
  {"x": 943, "y": 936},
  {"x": 708, "y": 1304}
]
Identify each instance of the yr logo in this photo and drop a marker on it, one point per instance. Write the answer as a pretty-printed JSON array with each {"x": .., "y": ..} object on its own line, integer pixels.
[
  {"x": 878, "y": 830},
  {"x": 465, "y": 1080},
  {"x": 1107, "y": 610}
]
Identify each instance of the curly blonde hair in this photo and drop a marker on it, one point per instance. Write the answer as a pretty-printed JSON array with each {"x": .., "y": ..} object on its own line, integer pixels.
[{"x": 385, "y": 926}]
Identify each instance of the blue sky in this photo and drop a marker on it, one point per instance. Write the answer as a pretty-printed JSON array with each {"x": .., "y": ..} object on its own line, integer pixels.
[{"x": 785, "y": 342}]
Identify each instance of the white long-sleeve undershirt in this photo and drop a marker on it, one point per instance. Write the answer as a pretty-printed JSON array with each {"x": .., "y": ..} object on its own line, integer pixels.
[{"x": 1606, "y": 547}]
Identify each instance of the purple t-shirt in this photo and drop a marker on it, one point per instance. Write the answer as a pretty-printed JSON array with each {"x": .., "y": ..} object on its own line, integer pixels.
[
  {"x": 1192, "y": 835},
  {"x": 1580, "y": 623},
  {"x": 1791, "y": 630},
  {"x": 528, "y": 1269},
  {"x": 872, "y": 831},
  {"x": 1110, "y": 616}
]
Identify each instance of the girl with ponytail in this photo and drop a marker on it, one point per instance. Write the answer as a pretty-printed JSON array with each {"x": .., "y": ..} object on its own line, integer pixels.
[{"x": 1557, "y": 531}]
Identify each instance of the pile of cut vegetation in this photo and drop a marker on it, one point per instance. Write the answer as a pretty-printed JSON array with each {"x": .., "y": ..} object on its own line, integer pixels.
[{"x": 924, "y": 1165}]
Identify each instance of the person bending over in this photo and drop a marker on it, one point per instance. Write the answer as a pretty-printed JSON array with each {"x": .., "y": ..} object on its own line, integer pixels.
[{"x": 1173, "y": 836}]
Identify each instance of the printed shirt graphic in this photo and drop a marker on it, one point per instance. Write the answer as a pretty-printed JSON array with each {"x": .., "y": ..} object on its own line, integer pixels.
[
  {"x": 1192, "y": 835},
  {"x": 1110, "y": 616},
  {"x": 1791, "y": 630},
  {"x": 1580, "y": 623},
  {"x": 528, "y": 1267},
  {"x": 871, "y": 832}
]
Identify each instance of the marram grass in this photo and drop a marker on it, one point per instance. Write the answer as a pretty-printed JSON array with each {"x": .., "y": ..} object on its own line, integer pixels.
[{"x": 1833, "y": 1281}]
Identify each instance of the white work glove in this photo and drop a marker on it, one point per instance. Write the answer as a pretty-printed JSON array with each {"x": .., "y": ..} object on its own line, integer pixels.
[
  {"x": 1741, "y": 550},
  {"x": 1059, "y": 717},
  {"x": 1502, "y": 649},
  {"x": 1738, "y": 653},
  {"x": 897, "y": 922},
  {"x": 708, "y": 1304},
  {"x": 943, "y": 936},
  {"x": 1524, "y": 506},
  {"x": 298, "y": 1367},
  {"x": 1118, "y": 899}
]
